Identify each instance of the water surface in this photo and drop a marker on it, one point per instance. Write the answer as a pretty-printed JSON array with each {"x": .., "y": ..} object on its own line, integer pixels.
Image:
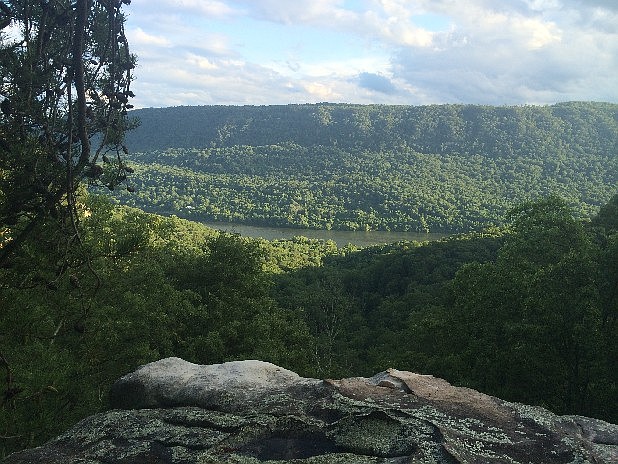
[{"x": 359, "y": 238}]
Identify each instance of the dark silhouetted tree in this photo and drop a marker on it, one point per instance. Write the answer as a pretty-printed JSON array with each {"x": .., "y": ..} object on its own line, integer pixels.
[{"x": 65, "y": 70}]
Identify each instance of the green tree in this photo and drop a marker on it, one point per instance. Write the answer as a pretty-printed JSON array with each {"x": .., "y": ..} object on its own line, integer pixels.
[
  {"x": 529, "y": 326},
  {"x": 65, "y": 72}
]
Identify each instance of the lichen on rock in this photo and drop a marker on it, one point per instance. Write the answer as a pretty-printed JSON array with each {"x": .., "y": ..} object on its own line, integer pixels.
[{"x": 172, "y": 411}]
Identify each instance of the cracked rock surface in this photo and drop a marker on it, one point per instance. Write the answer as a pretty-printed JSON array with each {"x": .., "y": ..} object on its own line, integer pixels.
[{"x": 172, "y": 411}]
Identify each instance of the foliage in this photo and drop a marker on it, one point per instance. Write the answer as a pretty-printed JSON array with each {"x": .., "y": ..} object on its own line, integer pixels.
[
  {"x": 90, "y": 290},
  {"x": 447, "y": 168},
  {"x": 527, "y": 313},
  {"x": 164, "y": 287},
  {"x": 365, "y": 307},
  {"x": 65, "y": 73},
  {"x": 534, "y": 131},
  {"x": 529, "y": 327}
]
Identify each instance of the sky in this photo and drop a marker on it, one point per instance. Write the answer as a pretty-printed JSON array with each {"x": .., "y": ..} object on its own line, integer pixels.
[{"x": 410, "y": 52}]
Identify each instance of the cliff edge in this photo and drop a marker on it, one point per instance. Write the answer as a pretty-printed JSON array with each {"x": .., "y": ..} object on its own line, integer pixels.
[{"x": 173, "y": 411}]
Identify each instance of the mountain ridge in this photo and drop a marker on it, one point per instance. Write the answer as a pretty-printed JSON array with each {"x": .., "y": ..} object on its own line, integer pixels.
[
  {"x": 427, "y": 129},
  {"x": 441, "y": 168}
]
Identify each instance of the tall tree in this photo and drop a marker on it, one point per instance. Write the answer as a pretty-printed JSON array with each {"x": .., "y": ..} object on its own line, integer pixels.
[
  {"x": 65, "y": 75},
  {"x": 529, "y": 325}
]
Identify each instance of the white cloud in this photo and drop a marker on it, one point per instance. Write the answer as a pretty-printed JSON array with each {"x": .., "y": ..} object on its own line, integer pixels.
[
  {"x": 138, "y": 37},
  {"x": 395, "y": 30},
  {"x": 538, "y": 33},
  {"x": 321, "y": 91},
  {"x": 343, "y": 68},
  {"x": 498, "y": 55},
  {"x": 541, "y": 5},
  {"x": 207, "y": 7},
  {"x": 201, "y": 62},
  {"x": 210, "y": 8},
  {"x": 317, "y": 12},
  {"x": 478, "y": 51}
]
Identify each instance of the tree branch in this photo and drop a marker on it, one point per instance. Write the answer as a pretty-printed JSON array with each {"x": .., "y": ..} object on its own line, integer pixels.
[
  {"x": 5, "y": 22},
  {"x": 83, "y": 8}
]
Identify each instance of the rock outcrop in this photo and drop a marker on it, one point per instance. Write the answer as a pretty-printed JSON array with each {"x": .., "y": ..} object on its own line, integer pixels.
[{"x": 172, "y": 411}]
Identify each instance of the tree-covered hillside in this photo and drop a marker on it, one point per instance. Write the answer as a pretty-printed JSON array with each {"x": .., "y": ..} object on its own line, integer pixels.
[
  {"x": 434, "y": 168},
  {"x": 536, "y": 131},
  {"x": 529, "y": 313}
]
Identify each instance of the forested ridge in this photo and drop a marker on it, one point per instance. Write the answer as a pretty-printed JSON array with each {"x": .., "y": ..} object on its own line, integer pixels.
[
  {"x": 442, "y": 168},
  {"x": 489, "y": 130}
]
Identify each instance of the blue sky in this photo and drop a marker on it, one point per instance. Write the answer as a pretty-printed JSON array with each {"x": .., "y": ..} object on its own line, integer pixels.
[{"x": 258, "y": 52}]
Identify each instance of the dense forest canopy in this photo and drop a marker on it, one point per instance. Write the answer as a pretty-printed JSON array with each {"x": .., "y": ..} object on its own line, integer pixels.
[
  {"x": 467, "y": 129},
  {"x": 529, "y": 313},
  {"x": 527, "y": 310},
  {"x": 443, "y": 168}
]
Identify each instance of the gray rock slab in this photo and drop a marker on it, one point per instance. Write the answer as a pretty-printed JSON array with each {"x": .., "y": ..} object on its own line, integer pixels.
[
  {"x": 228, "y": 386},
  {"x": 172, "y": 411}
]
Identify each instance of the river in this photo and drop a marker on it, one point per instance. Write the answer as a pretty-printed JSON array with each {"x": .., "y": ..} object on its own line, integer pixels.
[{"x": 340, "y": 237}]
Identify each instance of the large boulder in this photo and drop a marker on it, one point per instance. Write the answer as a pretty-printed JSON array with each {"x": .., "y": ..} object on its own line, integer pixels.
[{"x": 172, "y": 411}]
